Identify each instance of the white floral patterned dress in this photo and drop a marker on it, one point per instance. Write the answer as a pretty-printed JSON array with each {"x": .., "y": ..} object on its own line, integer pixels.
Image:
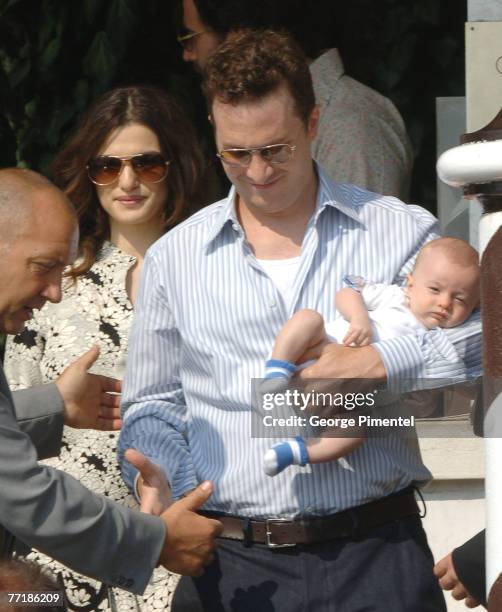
[{"x": 95, "y": 310}]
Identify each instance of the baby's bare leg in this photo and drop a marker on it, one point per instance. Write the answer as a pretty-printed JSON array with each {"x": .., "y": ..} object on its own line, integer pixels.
[
  {"x": 312, "y": 450},
  {"x": 303, "y": 331},
  {"x": 329, "y": 448},
  {"x": 299, "y": 336}
]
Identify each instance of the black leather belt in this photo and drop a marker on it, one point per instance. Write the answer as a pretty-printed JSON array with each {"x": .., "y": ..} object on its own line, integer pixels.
[{"x": 277, "y": 532}]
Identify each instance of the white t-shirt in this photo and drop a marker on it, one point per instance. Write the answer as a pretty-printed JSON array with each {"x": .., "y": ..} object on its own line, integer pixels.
[
  {"x": 388, "y": 311},
  {"x": 283, "y": 274}
]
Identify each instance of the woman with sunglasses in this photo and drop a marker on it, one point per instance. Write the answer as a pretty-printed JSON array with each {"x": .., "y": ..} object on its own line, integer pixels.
[{"x": 132, "y": 170}]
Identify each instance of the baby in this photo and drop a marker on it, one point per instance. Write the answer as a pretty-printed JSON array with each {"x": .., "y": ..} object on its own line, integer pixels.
[{"x": 442, "y": 291}]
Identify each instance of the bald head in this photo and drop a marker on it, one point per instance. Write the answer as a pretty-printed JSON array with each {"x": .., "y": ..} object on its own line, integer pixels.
[
  {"x": 38, "y": 239},
  {"x": 457, "y": 251},
  {"x": 28, "y": 198}
]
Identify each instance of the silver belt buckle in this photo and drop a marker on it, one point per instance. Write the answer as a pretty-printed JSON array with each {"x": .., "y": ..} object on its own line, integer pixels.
[{"x": 272, "y": 521}]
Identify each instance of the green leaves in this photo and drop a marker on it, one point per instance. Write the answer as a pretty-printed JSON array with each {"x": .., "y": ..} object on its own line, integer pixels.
[
  {"x": 50, "y": 54},
  {"x": 100, "y": 61},
  {"x": 56, "y": 56},
  {"x": 121, "y": 22}
]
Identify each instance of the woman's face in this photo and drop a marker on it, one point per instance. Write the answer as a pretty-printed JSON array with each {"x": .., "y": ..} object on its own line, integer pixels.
[{"x": 130, "y": 200}]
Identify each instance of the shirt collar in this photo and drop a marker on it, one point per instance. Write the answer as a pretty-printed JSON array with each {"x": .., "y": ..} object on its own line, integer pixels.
[
  {"x": 345, "y": 198},
  {"x": 335, "y": 195},
  {"x": 326, "y": 70},
  {"x": 226, "y": 215}
]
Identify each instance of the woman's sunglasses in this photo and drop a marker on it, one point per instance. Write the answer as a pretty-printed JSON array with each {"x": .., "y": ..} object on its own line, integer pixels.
[{"x": 148, "y": 167}]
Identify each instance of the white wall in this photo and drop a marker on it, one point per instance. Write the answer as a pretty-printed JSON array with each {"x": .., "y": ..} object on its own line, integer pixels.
[{"x": 455, "y": 498}]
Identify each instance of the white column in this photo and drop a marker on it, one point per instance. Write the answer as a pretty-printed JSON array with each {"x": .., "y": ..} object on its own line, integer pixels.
[{"x": 460, "y": 166}]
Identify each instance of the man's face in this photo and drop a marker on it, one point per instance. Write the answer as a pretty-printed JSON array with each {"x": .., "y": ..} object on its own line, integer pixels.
[
  {"x": 442, "y": 293},
  {"x": 267, "y": 187},
  {"x": 199, "y": 48},
  {"x": 32, "y": 266}
]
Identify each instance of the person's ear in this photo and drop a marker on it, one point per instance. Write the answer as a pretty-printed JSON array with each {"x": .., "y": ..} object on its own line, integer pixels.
[
  {"x": 313, "y": 123},
  {"x": 409, "y": 281}
]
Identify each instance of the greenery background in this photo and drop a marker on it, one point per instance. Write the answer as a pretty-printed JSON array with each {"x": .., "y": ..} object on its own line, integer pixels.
[{"x": 57, "y": 55}]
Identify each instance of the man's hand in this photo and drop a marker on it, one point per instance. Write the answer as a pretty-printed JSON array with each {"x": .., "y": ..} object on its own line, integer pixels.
[
  {"x": 343, "y": 362},
  {"x": 190, "y": 538},
  {"x": 444, "y": 571},
  {"x": 153, "y": 488},
  {"x": 87, "y": 400},
  {"x": 340, "y": 369}
]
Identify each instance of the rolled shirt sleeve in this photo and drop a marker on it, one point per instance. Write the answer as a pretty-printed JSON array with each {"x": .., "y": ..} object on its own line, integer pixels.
[{"x": 153, "y": 403}]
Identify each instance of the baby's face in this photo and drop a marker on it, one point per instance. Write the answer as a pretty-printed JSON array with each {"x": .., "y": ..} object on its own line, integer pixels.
[{"x": 442, "y": 293}]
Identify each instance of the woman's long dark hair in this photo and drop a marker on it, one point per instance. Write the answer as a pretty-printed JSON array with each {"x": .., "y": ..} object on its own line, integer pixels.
[{"x": 156, "y": 110}]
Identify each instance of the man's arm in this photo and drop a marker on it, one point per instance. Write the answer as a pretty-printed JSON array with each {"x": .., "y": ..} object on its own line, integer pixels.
[
  {"x": 469, "y": 563},
  {"x": 436, "y": 359},
  {"x": 153, "y": 404},
  {"x": 344, "y": 362},
  {"x": 463, "y": 572},
  {"x": 50, "y": 510},
  {"x": 408, "y": 363},
  {"x": 39, "y": 413},
  {"x": 415, "y": 361},
  {"x": 39, "y": 407}
]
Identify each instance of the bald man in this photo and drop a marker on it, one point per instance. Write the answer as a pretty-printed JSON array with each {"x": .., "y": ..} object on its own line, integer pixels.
[
  {"x": 45, "y": 508},
  {"x": 78, "y": 399}
]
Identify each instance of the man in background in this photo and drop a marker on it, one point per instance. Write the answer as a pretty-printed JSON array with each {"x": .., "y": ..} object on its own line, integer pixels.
[{"x": 361, "y": 137}]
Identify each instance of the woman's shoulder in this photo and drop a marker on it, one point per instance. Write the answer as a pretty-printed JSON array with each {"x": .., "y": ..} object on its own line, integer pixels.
[
  {"x": 110, "y": 255},
  {"x": 109, "y": 268}
]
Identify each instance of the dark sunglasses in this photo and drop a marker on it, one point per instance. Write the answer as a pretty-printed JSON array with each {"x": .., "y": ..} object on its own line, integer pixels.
[{"x": 148, "y": 167}]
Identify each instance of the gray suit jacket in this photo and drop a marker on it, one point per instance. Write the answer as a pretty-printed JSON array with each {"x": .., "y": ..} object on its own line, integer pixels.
[
  {"x": 39, "y": 413},
  {"x": 51, "y": 511}
]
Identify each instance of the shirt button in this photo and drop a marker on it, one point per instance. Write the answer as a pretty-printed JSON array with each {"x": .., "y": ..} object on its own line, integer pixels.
[{"x": 272, "y": 303}]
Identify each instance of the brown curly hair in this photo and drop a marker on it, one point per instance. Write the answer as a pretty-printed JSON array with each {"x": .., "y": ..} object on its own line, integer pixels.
[
  {"x": 156, "y": 110},
  {"x": 251, "y": 64}
]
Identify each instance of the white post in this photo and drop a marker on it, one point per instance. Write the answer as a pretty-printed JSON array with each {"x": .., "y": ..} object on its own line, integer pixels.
[
  {"x": 488, "y": 225},
  {"x": 477, "y": 167},
  {"x": 474, "y": 167}
]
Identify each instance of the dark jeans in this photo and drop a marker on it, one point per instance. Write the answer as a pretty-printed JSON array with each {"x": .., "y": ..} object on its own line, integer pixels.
[{"x": 388, "y": 569}]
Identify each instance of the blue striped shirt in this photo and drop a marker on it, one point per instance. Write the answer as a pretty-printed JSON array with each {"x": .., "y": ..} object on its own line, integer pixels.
[{"x": 206, "y": 318}]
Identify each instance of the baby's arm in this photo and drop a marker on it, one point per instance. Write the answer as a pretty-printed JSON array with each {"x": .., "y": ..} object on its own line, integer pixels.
[{"x": 350, "y": 304}]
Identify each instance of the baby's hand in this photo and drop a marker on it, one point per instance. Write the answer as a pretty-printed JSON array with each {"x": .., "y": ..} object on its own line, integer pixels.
[{"x": 359, "y": 333}]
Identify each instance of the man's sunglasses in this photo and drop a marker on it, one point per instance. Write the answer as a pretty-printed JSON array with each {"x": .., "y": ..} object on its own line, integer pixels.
[
  {"x": 148, "y": 167},
  {"x": 271, "y": 154}
]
